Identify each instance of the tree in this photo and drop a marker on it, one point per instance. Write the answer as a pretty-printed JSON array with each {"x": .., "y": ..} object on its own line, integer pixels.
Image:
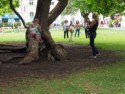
[
  {"x": 75, "y": 5},
  {"x": 5, "y": 7},
  {"x": 104, "y": 7},
  {"x": 46, "y": 18},
  {"x": 70, "y": 9},
  {"x": 107, "y": 7}
]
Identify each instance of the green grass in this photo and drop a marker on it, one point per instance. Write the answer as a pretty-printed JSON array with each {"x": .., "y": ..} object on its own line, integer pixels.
[
  {"x": 108, "y": 79},
  {"x": 12, "y": 37}
]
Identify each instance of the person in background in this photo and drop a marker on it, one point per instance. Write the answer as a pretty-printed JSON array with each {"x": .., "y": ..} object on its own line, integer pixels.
[
  {"x": 92, "y": 28},
  {"x": 71, "y": 30},
  {"x": 86, "y": 24},
  {"x": 35, "y": 41},
  {"x": 101, "y": 24},
  {"x": 77, "y": 26},
  {"x": 40, "y": 34},
  {"x": 34, "y": 32},
  {"x": 65, "y": 28}
]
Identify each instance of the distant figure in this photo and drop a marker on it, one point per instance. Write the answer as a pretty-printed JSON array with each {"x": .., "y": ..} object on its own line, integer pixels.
[
  {"x": 119, "y": 24},
  {"x": 71, "y": 30},
  {"x": 77, "y": 26},
  {"x": 65, "y": 28},
  {"x": 34, "y": 32},
  {"x": 87, "y": 22},
  {"x": 101, "y": 24},
  {"x": 34, "y": 37},
  {"x": 93, "y": 27}
]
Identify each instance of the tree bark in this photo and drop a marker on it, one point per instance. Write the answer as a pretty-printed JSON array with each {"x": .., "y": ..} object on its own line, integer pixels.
[
  {"x": 57, "y": 11},
  {"x": 42, "y": 13},
  {"x": 46, "y": 18},
  {"x": 13, "y": 9},
  {"x": 84, "y": 15}
]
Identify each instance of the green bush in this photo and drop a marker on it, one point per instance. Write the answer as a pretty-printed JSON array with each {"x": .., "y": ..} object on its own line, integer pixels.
[{"x": 112, "y": 23}]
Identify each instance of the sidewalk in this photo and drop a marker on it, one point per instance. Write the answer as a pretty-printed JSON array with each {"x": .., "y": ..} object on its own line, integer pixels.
[{"x": 114, "y": 28}]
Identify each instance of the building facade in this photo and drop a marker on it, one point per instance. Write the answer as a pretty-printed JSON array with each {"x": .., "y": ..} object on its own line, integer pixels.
[{"x": 27, "y": 10}]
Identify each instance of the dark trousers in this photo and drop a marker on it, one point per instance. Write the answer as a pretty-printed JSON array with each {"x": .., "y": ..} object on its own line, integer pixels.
[
  {"x": 87, "y": 32},
  {"x": 92, "y": 44},
  {"x": 66, "y": 34}
]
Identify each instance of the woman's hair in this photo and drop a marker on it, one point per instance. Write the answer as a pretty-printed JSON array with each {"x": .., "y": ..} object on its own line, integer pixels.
[
  {"x": 77, "y": 22},
  {"x": 71, "y": 22},
  {"x": 65, "y": 21},
  {"x": 32, "y": 25},
  {"x": 86, "y": 20},
  {"x": 95, "y": 16},
  {"x": 36, "y": 20}
]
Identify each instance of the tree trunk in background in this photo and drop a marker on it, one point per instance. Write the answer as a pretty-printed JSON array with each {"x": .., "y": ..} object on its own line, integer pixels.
[{"x": 84, "y": 15}]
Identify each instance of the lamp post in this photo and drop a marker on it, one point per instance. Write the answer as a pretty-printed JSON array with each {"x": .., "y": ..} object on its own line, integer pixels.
[{"x": 12, "y": 20}]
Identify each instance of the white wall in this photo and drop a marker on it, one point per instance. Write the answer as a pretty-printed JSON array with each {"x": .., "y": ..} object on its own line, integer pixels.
[
  {"x": 25, "y": 10},
  {"x": 123, "y": 21}
]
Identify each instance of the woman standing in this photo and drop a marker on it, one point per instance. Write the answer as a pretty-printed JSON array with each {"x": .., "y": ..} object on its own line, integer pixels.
[
  {"x": 86, "y": 24},
  {"x": 93, "y": 27},
  {"x": 65, "y": 28},
  {"x": 77, "y": 26},
  {"x": 71, "y": 30}
]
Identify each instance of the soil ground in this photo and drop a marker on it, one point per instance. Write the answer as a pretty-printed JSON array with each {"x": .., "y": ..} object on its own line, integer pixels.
[{"x": 79, "y": 60}]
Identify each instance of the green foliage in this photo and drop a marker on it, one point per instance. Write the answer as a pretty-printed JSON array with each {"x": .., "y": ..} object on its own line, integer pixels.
[
  {"x": 17, "y": 24},
  {"x": 5, "y": 6},
  {"x": 1, "y": 25},
  {"x": 5, "y": 24},
  {"x": 110, "y": 23},
  {"x": 105, "y": 7},
  {"x": 69, "y": 8}
]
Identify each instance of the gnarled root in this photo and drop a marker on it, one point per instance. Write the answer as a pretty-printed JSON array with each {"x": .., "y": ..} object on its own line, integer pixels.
[{"x": 59, "y": 52}]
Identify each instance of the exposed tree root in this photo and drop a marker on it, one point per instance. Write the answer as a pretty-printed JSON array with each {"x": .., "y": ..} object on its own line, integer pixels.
[{"x": 12, "y": 48}]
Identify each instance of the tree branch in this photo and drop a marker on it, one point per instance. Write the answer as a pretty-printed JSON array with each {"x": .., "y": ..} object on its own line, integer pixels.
[
  {"x": 57, "y": 11},
  {"x": 13, "y": 9}
]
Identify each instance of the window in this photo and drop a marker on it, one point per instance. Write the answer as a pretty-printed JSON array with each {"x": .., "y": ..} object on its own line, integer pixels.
[
  {"x": 24, "y": 9},
  {"x": 52, "y": 3},
  {"x": 31, "y": 16},
  {"x": 31, "y": 2}
]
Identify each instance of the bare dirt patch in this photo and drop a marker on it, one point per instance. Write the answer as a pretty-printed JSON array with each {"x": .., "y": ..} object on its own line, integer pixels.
[{"x": 79, "y": 60}]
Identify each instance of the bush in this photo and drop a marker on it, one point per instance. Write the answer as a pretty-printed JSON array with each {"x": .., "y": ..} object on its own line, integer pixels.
[{"x": 112, "y": 23}]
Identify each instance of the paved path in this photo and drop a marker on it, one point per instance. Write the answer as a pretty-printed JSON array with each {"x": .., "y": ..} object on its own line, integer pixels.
[{"x": 115, "y": 28}]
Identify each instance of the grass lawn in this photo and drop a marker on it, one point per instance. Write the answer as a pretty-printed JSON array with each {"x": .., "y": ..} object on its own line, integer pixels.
[{"x": 109, "y": 79}]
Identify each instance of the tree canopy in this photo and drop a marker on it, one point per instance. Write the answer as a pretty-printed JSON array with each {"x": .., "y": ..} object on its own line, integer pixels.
[
  {"x": 5, "y": 6},
  {"x": 69, "y": 8},
  {"x": 104, "y": 7}
]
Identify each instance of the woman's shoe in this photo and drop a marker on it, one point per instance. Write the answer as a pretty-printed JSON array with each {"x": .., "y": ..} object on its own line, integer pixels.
[
  {"x": 93, "y": 57},
  {"x": 98, "y": 54}
]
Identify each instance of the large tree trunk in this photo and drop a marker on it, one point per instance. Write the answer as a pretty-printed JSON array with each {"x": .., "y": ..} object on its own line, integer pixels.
[{"x": 46, "y": 18}]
